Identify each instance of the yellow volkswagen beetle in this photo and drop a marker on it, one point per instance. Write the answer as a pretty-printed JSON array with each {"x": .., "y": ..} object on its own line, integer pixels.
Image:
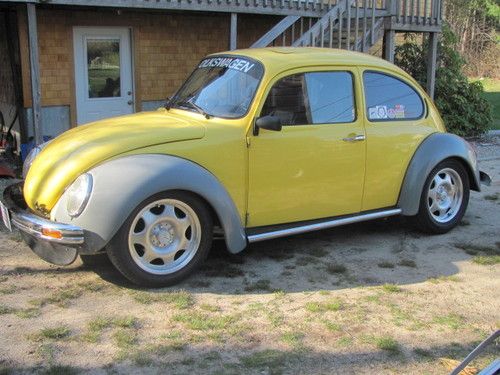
[{"x": 261, "y": 143}]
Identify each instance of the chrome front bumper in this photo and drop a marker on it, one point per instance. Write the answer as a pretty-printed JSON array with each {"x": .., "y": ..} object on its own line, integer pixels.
[{"x": 36, "y": 226}]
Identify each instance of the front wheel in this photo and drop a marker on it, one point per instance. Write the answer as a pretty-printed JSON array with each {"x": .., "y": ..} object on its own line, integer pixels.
[
  {"x": 163, "y": 240},
  {"x": 444, "y": 198}
]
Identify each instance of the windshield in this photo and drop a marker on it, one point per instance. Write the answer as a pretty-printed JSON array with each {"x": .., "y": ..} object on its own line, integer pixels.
[{"x": 220, "y": 86}]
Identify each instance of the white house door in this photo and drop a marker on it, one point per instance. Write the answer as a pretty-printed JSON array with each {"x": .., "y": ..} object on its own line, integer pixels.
[{"x": 103, "y": 73}]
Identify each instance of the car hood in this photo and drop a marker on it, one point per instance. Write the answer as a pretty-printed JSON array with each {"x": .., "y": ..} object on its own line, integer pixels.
[{"x": 79, "y": 149}]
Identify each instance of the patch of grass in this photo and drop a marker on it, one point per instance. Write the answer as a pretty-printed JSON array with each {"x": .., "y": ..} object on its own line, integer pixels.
[
  {"x": 61, "y": 297},
  {"x": 453, "y": 321},
  {"x": 316, "y": 252},
  {"x": 202, "y": 322},
  {"x": 385, "y": 265},
  {"x": 200, "y": 284},
  {"x": 473, "y": 249},
  {"x": 439, "y": 279},
  {"x": 331, "y": 326},
  {"x": 56, "y": 333},
  {"x": 124, "y": 338},
  {"x": 294, "y": 339},
  {"x": 317, "y": 307},
  {"x": 97, "y": 326},
  {"x": 306, "y": 260},
  {"x": 28, "y": 313},
  {"x": 276, "y": 318},
  {"x": 60, "y": 370},
  {"x": 259, "y": 285},
  {"x": 47, "y": 352},
  {"x": 391, "y": 288},
  {"x": 210, "y": 308},
  {"x": 221, "y": 269},
  {"x": 492, "y": 94},
  {"x": 181, "y": 299},
  {"x": 387, "y": 343},
  {"x": 407, "y": 263},
  {"x": 344, "y": 341},
  {"x": 333, "y": 268},
  {"x": 270, "y": 360},
  {"x": 423, "y": 353},
  {"x": 486, "y": 260},
  {"x": 8, "y": 289},
  {"x": 492, "y": 197},
  {"x": 4, "y": 309}
]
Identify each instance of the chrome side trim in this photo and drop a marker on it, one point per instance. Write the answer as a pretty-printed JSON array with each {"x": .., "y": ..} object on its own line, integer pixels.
[
  {"x": 323, "y": 225},
  {"x": 33, "y": 225}
]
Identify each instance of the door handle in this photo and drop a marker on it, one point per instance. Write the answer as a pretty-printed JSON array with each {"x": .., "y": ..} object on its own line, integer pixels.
[{"x": 356, "y": 138}]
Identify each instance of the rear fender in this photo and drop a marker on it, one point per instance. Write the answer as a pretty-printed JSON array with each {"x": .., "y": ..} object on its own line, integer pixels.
[{"x": 433, "y": 150}]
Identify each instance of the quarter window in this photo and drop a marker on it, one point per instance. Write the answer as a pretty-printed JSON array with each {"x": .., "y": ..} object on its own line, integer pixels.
[
  {"x": 390, "y": 99},
  {"x": 312, "y": 98}
]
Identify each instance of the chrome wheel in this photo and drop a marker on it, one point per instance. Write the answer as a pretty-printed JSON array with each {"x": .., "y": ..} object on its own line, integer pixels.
[
  {"x": 445, "y": 195},
  {"x": 164, "y": 236}
]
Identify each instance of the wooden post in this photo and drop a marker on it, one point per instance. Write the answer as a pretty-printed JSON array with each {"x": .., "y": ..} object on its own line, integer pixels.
[
  {"x": 431, "y": 63},
  {"x": 35, "y": 74},
  {"x": 389, "y": 47},
  {"x": 233, "y": 31}
]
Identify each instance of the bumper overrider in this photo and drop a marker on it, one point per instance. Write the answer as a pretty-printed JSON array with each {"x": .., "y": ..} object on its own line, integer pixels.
[{"x": 54, "y": 242}]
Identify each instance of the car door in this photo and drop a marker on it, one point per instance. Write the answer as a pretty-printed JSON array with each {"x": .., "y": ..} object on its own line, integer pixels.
[
  {"x": 314, "y": 167},
  {"x": 396, "y": 124}
]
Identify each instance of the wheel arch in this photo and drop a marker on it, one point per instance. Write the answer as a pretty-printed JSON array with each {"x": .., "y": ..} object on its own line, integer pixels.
[
  {"x": 123, "y": 183},
  {"x": 436, "y": 148}
]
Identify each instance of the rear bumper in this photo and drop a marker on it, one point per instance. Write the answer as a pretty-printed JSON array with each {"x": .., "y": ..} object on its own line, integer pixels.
[{"x": 36, "y": 226}]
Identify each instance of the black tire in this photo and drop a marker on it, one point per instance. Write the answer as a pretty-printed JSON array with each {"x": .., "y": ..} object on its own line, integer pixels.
[
  {"x": 425, "y": 220},
  {"x": 120, "y": 254}
]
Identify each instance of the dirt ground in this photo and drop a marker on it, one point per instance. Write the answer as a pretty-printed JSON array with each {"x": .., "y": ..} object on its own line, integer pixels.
[{"x": 371, "y": 298}]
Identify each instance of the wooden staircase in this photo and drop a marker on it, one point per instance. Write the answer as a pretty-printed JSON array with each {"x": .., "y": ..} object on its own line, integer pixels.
[{"x": 355, "y": 25}]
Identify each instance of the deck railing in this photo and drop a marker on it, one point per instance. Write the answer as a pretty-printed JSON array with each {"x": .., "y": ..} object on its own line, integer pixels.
[{"x": 405, "y": 11}]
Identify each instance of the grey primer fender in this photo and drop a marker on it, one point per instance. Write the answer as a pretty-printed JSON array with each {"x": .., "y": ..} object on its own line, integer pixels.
[
  {"x": 121, "y": 184},
  {"x": 434, "y": 149}
]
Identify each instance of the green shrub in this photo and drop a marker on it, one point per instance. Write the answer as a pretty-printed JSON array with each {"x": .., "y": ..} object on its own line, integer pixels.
[{"x": 465, "y": 112}]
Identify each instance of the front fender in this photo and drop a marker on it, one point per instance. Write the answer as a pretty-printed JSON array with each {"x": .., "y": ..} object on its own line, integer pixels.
[
  {"x": 434, "y": 149},
  {"x": 121, "y": 184}
]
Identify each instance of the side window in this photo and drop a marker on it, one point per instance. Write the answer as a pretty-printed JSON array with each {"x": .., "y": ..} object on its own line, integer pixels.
[
  {"x": 331, "y": 97},
  {"x": 287, "y": 100},
  {"x": 390, "y": 99}
]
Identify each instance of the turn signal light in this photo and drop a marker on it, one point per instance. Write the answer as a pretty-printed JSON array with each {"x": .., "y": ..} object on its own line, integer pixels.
[{"x": 52, "y": 233}]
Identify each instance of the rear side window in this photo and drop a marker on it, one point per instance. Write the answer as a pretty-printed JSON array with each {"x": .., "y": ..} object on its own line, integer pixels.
[
  {"x": 390, "y": 99},
  {"x": 312, "y": 98}
]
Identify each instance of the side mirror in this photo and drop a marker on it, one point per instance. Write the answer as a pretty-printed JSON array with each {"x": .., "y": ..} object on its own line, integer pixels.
[{"x": 268, "y": 122}]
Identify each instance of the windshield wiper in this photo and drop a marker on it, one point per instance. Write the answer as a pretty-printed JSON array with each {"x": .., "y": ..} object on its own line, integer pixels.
[{"x": 191, "y": 104}]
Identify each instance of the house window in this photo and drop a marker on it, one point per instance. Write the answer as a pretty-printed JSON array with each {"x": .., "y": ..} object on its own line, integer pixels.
[
  {"x": 390, "y": 99},
  {"x": 103, "y": 67}
]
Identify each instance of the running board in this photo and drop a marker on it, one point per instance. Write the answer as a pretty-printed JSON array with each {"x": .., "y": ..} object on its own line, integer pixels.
[{"x": 322, "y": 225}]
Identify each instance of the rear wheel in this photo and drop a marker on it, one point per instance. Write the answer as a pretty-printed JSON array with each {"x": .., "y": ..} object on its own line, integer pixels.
[
  {"x": 444, "y": 198},
  {"x": 164, "y": 239}
]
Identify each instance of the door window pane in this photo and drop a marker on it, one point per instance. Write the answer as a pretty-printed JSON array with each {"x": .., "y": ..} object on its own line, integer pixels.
[
  {"x": 103, "y": 63},
  {"x": 287, "y": 101},
  {"x": 331, "y": 97},
  {"x": 390, "y": 99}
]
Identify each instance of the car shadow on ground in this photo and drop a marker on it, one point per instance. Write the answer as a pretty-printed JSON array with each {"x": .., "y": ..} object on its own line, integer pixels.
[{"x": 373, "y": 253}]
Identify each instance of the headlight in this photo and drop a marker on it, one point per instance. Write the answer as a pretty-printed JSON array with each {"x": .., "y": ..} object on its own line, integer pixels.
[
  {"x": 78, "y": 194},
  {"x": 31, "y": 157}
]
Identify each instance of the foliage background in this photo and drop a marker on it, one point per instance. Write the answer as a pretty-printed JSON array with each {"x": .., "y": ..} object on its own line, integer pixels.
[{"x": 468, "y": 47}]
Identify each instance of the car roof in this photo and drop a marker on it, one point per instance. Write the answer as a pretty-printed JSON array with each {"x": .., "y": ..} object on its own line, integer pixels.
[{"x": 284, "y": 58}]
